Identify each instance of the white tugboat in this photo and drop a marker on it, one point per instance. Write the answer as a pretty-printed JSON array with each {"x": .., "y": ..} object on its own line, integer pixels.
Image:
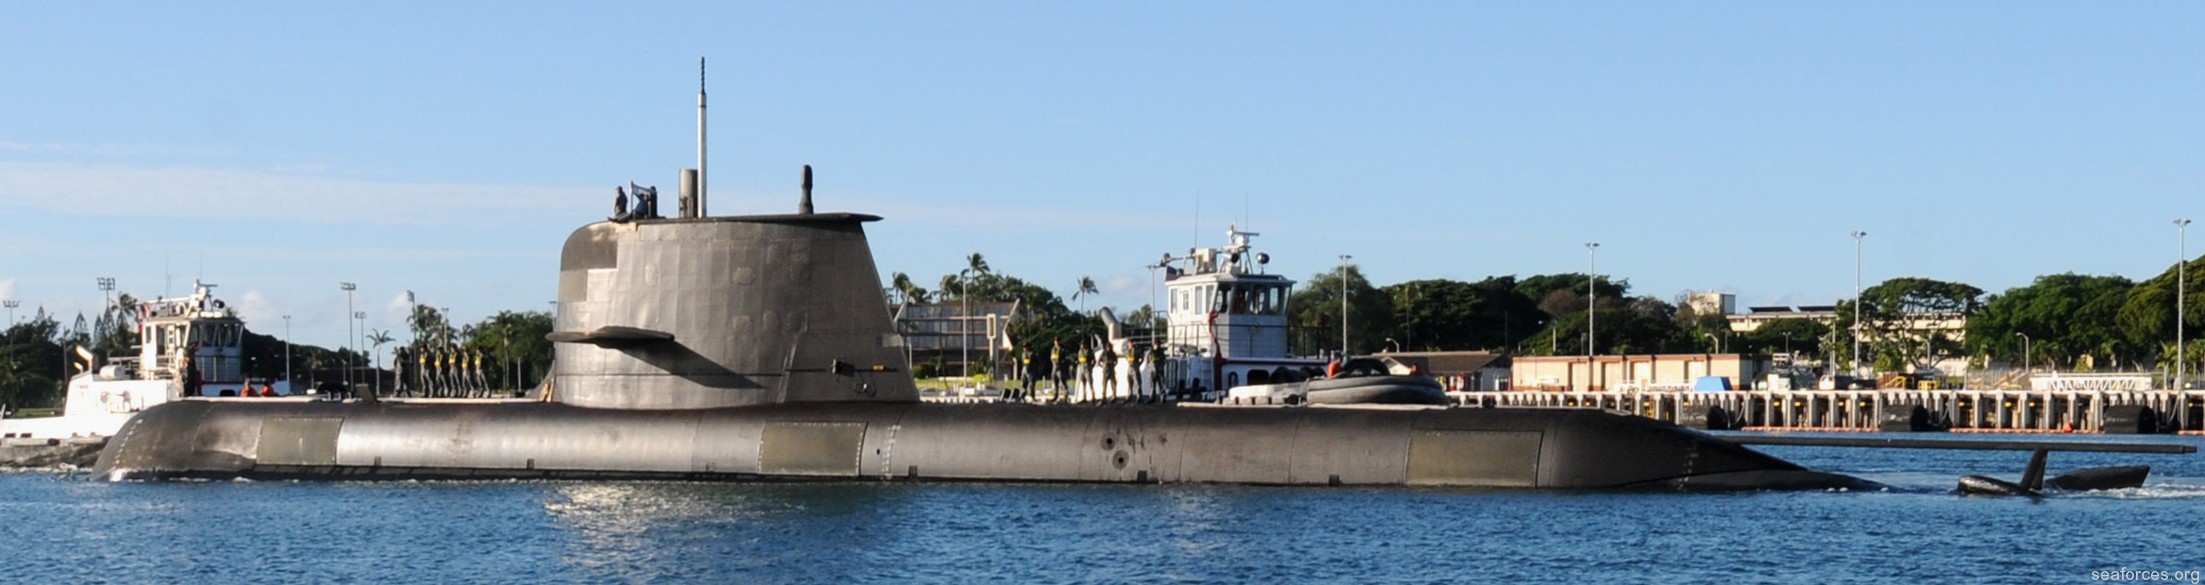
[
  {"x": 1226, "y": 339},
  {"x": 1226, "y": 323},
  {"x": 191, "y": 346}
]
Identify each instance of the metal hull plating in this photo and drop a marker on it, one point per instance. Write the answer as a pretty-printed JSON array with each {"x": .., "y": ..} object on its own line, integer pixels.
[{"x": 1524, "y": 448}]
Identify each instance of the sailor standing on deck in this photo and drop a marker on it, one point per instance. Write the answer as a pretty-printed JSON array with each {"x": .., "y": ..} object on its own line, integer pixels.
[
  {"x": 1085, "y": 383},
  {"x": 189, "y": 370},
  {"x": 421, "y": 369},
  {"x": 398, "y": 375},
  {"x": 1106, "y": 362},
  {"x": 446, "y": 371},
  {"x": 482, "y": 378},
  {"x": 1129, "y": 374},
  {"x": 1025, "y": 374},
  {"x": 1056, "y": 367}
]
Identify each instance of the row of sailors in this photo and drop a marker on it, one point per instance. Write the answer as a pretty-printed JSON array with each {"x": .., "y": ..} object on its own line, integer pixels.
[
  {"x": 441, "y": 372},
  {"x": 1108, "y": 377}
]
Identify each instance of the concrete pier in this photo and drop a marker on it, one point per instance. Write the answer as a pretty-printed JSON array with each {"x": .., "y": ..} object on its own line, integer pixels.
[
  {"x": 1866, "y": 410},
  {"x": 1960, "y": 411}
]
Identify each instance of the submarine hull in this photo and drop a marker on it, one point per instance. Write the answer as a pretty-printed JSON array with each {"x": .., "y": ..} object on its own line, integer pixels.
[{"x": 1522, "y": 448}]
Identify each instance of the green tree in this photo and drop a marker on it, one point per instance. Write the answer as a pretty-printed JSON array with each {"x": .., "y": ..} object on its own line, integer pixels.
[
  {"x": 2147, "y": 315},
  {"x": 1315, "y": 311},
  {"x": 517, "y": 355},
  {"x": 952, "y": 288},
  {"x": 1044, "y": 316},
  {"x": 116, "y": 328},
  {"x": 905, "y": 290},
  {"x": 1454, "y": 315},
  {"x": 429, "y": 326},
  {"x": 1146, "y": 317},
  {"x": 1640, "y": 325},
  {"x": 1432, "y": 314},
  {"x": 977, "y": 264},
  {"x": 1797, "y": 335},
  {"x": 1539, "y": 286},
  {"x": 264, "y": 358},
  {"x": 2065, "y": 316},
  {"x": 1891, "y": 309},
  {"x": 1083, "y": 290},
  {"x": 31, "y": 363},
  {"x": 1505, "y": 317}
]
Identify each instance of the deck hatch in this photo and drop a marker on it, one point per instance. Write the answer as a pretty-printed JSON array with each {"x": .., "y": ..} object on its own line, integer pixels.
[
  {"x": 1474, "y": 458},
  {"x": 811, "y": 448},
  {"x": 298, "y": 441}
]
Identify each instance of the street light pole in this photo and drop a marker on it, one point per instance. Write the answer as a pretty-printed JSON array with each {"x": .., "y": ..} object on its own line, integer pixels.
[
  {"x": 1592, "y": 306},
  {"x": 2181, "y": 282},
  {"x": 1344, "y": 307},
  {"x": 1592, "y": 298},
  {"x": 11, "y": 304},
  {"x": 2024, "y": 350},
  {"x": 360, "y": 318},
  {"x": 107, "y": 292},
  {"x": 348, "y": 288},
  {"x": 964, "y": 320},
  {"x": 287, "y": 348},
  {"x": 1857, "y": 235}
]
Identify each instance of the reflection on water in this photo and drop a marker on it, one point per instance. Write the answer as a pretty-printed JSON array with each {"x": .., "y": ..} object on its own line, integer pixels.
[
  {"x": 639, "y": 531},
  {"x": 62, "y": 530}
]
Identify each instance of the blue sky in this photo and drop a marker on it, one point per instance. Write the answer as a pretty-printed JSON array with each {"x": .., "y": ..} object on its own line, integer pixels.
[{"x": 448, "y": 148}]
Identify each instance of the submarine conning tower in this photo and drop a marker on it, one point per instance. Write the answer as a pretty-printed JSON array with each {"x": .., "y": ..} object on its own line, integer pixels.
[{"x": 709, "y": 312}]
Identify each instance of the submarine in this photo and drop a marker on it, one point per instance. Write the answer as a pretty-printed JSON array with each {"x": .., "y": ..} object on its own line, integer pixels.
[{"x": 760, "y": 348}]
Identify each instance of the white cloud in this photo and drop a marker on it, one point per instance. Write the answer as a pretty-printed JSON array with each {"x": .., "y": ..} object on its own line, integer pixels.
[
  {"x": 395, "y": 312},
  {"x": 106, "y": 150},
  {"x": 290, "y": 196},
  {"x": 259, "y": 312}
]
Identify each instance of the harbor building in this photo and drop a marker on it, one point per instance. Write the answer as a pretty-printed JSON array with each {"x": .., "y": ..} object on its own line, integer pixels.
[
  {"x": 1950, "y": 325},
  {"x": 1643, "y": 372},
  {"x": 941, "y": 337}
]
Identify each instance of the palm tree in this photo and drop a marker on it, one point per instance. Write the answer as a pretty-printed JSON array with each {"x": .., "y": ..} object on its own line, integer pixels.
[
  {"x": 378, "y": 337},
  {"x": 977, "y": 264},
  {"x": 950, "y": 282},
  {"x": 906, "y": 290},
  {"x": 1086, "y": 289},
  {"x": 428, "y": 324}
]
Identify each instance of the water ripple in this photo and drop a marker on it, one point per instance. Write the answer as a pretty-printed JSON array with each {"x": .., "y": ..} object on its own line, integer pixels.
[{"x": 66, "y": 529}]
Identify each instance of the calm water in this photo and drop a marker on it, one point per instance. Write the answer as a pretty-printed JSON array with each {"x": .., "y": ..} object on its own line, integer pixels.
[{"x": 59, "y": 529}]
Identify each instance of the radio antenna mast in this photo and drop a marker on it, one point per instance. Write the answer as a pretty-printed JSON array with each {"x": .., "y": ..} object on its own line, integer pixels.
[{"x": 700, "y": 137}]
